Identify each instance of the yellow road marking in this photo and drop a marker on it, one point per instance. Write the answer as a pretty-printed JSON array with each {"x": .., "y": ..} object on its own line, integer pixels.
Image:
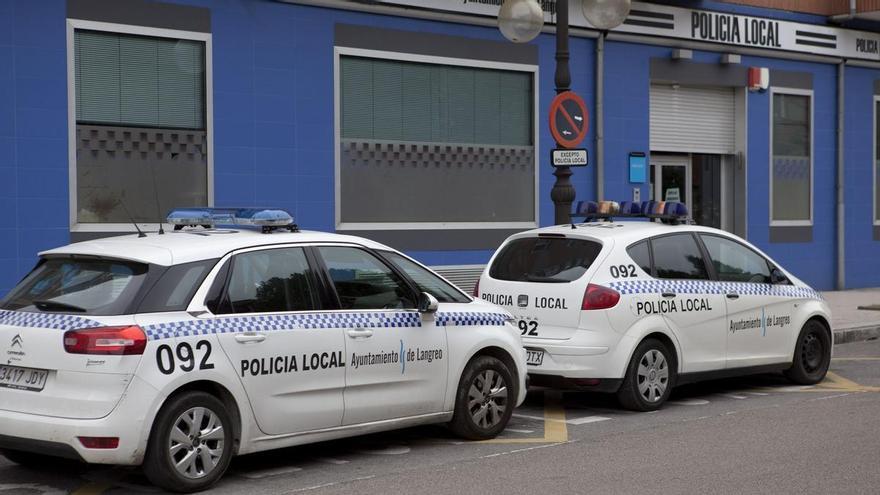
[
  {"x": 555, "y": 428},
  {"x": 833, "y": 381}
]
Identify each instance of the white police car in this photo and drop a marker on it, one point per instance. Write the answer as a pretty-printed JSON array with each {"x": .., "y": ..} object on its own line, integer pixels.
[
  {"x": 181, "y": 350},
  {"x": 636, "y": 307}
]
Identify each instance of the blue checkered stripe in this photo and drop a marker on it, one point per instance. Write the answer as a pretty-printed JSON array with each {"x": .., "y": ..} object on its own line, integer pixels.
[
  {"x": 269, "y": 323},
  {"x": 710, "y": 287},
  {"x": 467, "y": 318},
  {"x": 45, "y": 320}
]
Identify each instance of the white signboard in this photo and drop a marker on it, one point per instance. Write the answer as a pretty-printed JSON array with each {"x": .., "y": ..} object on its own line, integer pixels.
[
  {"x": 568, "y": 158},
  {"x": 697, "y": 25}
]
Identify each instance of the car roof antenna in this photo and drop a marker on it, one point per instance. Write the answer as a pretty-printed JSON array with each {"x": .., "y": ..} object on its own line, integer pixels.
[
  {"x": 156, "y": 196},
  {"x": 131, "y": 219}
]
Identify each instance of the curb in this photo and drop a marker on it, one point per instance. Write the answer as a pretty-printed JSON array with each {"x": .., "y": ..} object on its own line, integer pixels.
[{"x": 856, "y": 334}]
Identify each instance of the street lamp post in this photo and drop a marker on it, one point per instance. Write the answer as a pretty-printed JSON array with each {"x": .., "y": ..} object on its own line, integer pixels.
[
  {"x": 520, "y": 21},
  {"x": 563, "y": 192}
]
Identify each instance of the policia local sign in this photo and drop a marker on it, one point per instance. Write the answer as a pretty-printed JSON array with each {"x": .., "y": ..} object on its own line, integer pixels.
[{"x": 698, "y": 25}]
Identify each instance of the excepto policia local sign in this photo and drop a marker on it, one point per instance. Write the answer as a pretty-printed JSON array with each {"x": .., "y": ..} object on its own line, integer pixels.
[{"x": 698, "y": 25}]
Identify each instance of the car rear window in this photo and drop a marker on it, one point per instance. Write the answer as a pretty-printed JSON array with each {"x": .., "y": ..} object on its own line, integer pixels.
[
  {"x": 78, "y": 285},
  {"x": 544, "y": 259}
]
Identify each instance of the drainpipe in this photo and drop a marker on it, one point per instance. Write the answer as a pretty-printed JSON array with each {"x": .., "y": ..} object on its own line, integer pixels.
[
  {"x": 841, "y": 215},
  {"x": 600, "y": 120},
  {"x": 846, "y": 17}
]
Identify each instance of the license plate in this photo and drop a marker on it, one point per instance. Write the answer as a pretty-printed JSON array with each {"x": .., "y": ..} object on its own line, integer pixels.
[
  {"x": 22, "y": 378},
  {"x": 534, "y": 358}
]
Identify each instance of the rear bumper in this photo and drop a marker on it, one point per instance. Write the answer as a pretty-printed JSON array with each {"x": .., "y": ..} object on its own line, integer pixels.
[
  {"x": 588, "y": 354},
  {"x": 130, "y": 421},
  {"x": 604, "y": 385}
]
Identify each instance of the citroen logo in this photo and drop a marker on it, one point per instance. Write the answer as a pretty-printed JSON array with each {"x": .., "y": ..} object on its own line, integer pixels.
[{"x": 16, "y": 341}]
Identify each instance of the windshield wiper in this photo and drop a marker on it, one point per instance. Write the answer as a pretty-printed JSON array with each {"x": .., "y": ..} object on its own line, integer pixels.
[{"x": 57, "y": 306}]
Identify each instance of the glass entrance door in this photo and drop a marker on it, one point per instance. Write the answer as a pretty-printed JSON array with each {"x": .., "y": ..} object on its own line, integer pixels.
[{"x": 695, "y": 180}]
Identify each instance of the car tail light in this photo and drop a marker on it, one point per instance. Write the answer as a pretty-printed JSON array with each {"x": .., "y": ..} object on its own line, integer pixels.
[
  {"x": 476, "y": 292},
  {"x": 598, "y": 297},
  {"x": 106, "y": 340},
  {"x": 99, "y": 442}
]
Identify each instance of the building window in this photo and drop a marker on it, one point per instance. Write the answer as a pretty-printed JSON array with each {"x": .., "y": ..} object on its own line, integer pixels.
[
  {"x": 141, "y": 125},
  {"x": 425, "y": 144},
  {"x": 877, "y": 160},
  {"x": 791, "y": 181}
]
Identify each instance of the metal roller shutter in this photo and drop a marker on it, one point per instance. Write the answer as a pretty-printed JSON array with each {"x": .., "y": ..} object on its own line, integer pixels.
[{"x": 692, "y": 119}]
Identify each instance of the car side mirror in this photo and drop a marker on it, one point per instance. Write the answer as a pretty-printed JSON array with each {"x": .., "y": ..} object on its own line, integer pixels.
[
  {"x": 428, "y": 303},
  {"x": 777, "y": 277}
]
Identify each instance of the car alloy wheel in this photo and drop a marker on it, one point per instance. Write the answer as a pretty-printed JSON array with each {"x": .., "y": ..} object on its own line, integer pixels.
[
  {"x": 487, "y": 399},
  {"x": 196, "y": 442}
]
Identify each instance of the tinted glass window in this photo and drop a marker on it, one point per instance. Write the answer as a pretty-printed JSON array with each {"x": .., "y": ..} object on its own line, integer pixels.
[
  {"x": 176, "y": 287},
  {"x": 79, "y": 286},
  {"x": 639, "y": 253},
  {"x": 678, "y": 256},
  {"x": 427, "y": 281},
  {"x": 734, "y": 262},
  {"x": 270, "y": 281},
  {"x": 362, "y": 281},
  {"x": 544, "y": 259}
]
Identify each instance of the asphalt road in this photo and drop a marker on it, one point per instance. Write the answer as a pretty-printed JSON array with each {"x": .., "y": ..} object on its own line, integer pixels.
[{"x": 755, "y": 435}]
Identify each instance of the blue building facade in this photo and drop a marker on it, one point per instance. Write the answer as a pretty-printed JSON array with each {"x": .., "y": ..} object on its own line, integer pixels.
[{"x": 277, "y": 123}]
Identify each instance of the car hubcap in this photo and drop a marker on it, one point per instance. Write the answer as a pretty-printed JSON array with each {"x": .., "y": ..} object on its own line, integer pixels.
[
  {"x": 487, "y": 399},
  {"x": 653, "y": 375},
  {"x": 196, "y": 443},
  {"x": 811, "y": 353}
]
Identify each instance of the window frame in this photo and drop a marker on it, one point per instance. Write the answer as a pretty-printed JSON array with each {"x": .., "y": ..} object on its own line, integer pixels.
[
  {"x": 875, "y": 215},
  {"x": 809, "y": 93},
  {"x": 711, "y": 276},
  {"x": 330, "y": 287},
  {"x": 222, "y": 273},
  {"x": 708, "y": 257},
  {"x": 340, "y": 51},
  {"x": 78, "y": 24}
]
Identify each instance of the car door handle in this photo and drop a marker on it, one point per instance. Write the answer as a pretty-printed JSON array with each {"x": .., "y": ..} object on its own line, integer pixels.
[
  {"x": 668, "y": 294},
  {"x": 360, "y": 333},
  {"x": 732, "y": 295},
  {"x": 250, "y": 338}
]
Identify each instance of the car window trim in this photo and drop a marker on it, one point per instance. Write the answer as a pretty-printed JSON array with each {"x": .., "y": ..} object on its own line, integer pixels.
[
  {"x": 414, "y": 292},
  {"x": 699, "y": 246},
  {"x": 316, "y": 301},
  {"x": 770, "y": 266},
  {"x": 413, "y": 285}
]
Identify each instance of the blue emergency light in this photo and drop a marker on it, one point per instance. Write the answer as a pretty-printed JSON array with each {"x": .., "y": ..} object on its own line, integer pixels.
[
  {"x": 267, "y": 219},
  {"x": 671, "y": 212}
]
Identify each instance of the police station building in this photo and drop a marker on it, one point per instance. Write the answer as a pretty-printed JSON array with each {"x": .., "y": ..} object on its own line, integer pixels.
[{"x": 415, "y": 123}]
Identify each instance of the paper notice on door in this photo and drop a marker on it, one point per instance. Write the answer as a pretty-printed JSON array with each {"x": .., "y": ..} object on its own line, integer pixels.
[{"x": 672, "y": 194}]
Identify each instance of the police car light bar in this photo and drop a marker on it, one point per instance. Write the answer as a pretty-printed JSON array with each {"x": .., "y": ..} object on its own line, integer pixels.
[
  {"x": 671, "y": 212},
  {"x": 268, "y": 219}
]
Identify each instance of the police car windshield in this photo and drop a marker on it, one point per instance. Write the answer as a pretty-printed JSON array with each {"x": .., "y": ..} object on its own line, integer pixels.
[
  {"x": 544, "y": 259},
  {"x": 90, "y": 286}
]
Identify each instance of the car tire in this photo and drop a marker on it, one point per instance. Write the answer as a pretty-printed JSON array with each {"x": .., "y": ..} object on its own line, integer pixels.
[
  {"x": 175, "y": 437},
  {"x": 649, "y": 378},
  {"x": 484, "y": 400},
  {"x": 812, "y": 355}
]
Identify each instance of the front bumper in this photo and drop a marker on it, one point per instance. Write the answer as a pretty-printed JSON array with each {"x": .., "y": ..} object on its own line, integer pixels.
[{"x": 130, "y": 421}]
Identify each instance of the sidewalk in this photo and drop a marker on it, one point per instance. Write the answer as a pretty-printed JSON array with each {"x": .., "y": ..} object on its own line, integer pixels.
[{"x": 850, "y": 323}]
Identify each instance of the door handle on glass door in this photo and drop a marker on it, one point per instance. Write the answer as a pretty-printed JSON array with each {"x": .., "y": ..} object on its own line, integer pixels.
[
  {"x": 250, "y": 338},
  {"x": 360, "y": 333}
]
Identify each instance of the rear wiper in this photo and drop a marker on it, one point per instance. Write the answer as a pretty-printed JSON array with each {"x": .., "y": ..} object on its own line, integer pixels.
[{"x": 57, "y": 306}]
